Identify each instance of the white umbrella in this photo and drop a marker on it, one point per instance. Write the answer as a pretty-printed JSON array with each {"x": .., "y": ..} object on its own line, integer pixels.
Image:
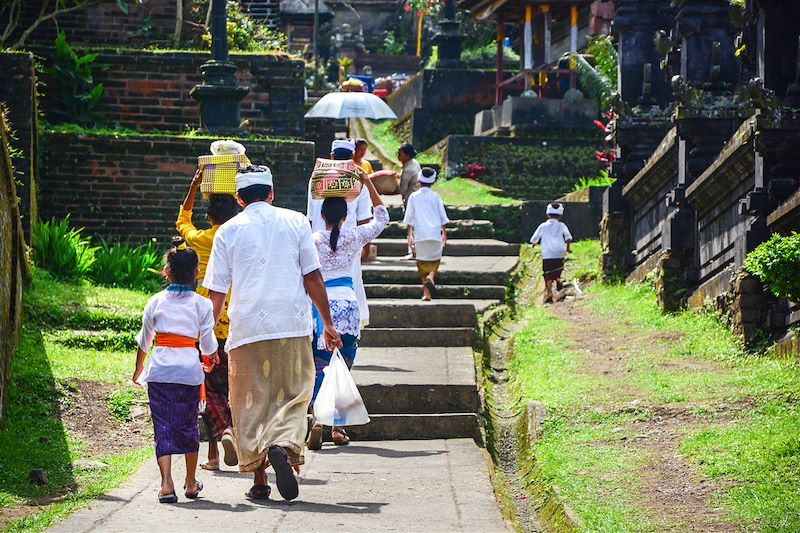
[{"x": 351, "y": 105}]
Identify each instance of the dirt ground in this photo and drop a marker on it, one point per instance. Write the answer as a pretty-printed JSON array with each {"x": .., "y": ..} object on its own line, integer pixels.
[{"x": 673, "y": 489}]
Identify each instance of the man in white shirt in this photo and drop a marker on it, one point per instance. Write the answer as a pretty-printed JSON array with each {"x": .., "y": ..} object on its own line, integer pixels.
[
  {"x": 267, "y": 257},
  {"x": 555, "y": 238},
  {"x": 426, "y": 219},
  {"x": 359, "y": 212}
]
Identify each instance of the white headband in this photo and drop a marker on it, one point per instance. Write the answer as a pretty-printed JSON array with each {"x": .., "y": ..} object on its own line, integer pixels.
[
  {"x": 430, "y": 179},
  {"x": 253, "y": 178},
  {"x": 557, "y": 211},
  {"x": 345, "y": 144}
]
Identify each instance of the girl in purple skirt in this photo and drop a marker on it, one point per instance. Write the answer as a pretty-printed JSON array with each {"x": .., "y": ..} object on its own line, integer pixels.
[{"x": 174, "y": 319}]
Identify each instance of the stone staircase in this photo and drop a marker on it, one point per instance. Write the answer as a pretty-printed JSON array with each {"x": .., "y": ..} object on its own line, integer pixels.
[{"x": 416, "y": 367}]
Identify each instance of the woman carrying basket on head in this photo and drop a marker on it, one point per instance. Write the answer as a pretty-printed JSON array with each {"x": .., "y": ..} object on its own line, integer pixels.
[
  {"x": 338, "y": 249},
  {"x": 217, "y": 415}
]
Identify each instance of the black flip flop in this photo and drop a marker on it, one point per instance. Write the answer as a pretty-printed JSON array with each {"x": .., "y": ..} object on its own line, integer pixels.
[
  {"x": 167, "y": 498},
  {"x": 431, "y": 287},
  {"x": 258, "y": 492},
  {"x": 284, "y": 476},
  {"x": 195, "y": 494}
]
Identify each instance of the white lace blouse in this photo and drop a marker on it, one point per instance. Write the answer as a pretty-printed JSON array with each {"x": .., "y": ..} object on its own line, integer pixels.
[{"x": 339, "y": 264}]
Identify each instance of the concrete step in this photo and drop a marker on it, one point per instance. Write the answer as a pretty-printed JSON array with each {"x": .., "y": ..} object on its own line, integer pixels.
[
  {"x": 457, "y": 229},
  {"x": 479, "y": 292},
  {"x": 417, "y": 380},
  {"x": 454, "y": 247},
  {"x": 420, "y": 314},
  {"x": 480, "y": 270},
  {"x": 416, "y": 427},
  {"x": 449, "y": 336}
]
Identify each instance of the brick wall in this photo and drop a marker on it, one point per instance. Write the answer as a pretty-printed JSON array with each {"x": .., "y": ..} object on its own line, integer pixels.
[
  {"x": 150, "y": 90},
  {"x": 18, "y": 94},
  {"x": 131, "y": 187}
]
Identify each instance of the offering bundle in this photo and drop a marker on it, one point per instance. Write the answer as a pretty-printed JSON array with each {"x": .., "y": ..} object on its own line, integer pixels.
[
  {"x": 335, "y": 179},
  {"x": 220, "y": 168}
]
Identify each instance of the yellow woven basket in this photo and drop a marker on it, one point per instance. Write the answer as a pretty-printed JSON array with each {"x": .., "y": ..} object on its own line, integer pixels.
[{"x": 219, "y": 173}]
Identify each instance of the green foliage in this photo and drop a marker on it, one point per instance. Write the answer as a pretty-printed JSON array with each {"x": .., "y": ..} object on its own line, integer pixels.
[
  {"x": 603, "y": 180},
  {"x": 61, "y": 250},
  {"x": 600, "y": 81},
  {"x": 78, "y": 94},
  {"x": 393, "y": 45},
  {"x": 462, "y": 191},
  {"x": 119, "y": 403},
  {"x": 247, "y": 34},
  {"x": 488, "y": 52},
  {"x": 777, "y": 264},
  {"x": 602, "y": 49},
  {"x": 124, "y": 265}
]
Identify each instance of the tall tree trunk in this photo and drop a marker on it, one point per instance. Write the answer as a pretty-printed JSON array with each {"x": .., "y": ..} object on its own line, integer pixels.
[{"x": 178, "y": 21}]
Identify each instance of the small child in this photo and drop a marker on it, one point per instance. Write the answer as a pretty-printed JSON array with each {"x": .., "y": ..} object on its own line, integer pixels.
[
  {"x": 175, "y": 318},
  {"x": 555, "y": 238}
]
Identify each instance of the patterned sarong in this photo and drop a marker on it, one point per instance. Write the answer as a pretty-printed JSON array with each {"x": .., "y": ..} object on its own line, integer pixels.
[{"x": 173, "y": 408}]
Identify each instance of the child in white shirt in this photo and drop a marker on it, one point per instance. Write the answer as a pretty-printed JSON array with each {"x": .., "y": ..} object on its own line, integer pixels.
[
  {"x": 174, "y": 319},
  {"x": 555, "y": 238}
]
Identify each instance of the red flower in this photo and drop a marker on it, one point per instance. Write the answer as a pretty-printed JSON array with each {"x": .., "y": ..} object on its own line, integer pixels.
[{"x": 599, "y": 125}]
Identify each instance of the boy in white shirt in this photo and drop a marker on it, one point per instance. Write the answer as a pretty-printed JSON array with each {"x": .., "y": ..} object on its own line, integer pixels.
[
  {"x": 555, "y": 238},
  {"x": 426, "y": 220}
]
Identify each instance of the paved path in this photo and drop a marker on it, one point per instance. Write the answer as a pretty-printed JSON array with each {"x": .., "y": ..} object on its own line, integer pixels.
[{"x": 432, "y": 485}]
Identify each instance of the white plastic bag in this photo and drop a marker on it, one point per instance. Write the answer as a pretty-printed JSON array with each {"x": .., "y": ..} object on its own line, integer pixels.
[{"x": 338, "y": 401}]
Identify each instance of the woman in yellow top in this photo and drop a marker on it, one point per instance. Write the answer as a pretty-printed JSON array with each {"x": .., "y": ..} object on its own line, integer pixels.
[
  {"x": 359, "y": 154},
  {"x": 217, "y": 416}
]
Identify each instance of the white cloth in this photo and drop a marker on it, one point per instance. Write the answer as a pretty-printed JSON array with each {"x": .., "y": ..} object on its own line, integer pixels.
[
  {"x": 253, "y": 178},
  {"x": 358, "y": 209},
  {"x": 339, "y": 264},
  {"x": 187, "y": 314},
  {"x": 553, "y": 236},
  {"x": 430, "y": 180},
  {"x": 262, "y": 254},
  {"x": 425, "y": 213},
  {"x": 428, "y": 250}
]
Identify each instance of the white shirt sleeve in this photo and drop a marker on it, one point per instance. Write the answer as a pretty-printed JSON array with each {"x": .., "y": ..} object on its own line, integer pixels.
[
  {"x": 148, "y": 332},
  {"x": 309, "y": 203},
  {"x": 408, "y": 219},
  {"x": 566, "y": 233},
  {"x": 309, "y": 259},
  {"x": 537, "y": 235},
  {"x": 442, "y": 213},
  {"x": 208, "y": 341},
  {"x": 369, "y": 231},
  {"x": 364, "y": 206},
  {"x": 218, "y": 272}
]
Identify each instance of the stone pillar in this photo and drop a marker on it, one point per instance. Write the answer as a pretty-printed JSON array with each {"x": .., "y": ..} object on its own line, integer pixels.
[{"x": 448, "y": 38}]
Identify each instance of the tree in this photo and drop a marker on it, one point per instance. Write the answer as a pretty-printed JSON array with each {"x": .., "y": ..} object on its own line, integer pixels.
[{"x": 11, "y": 10}]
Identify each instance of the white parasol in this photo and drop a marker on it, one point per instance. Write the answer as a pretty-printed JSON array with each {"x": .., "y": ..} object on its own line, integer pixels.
[{"x": 351, "y": 105}]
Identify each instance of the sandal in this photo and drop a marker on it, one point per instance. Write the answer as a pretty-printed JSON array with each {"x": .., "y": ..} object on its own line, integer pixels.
[
  {"x": 340, "y": 437},
  {"x": 229, "y": 446},
  {"x": 196, "y": 493},
  {"x": 314, "y": 440},
  {"x": 431, "y": 286},
  {"x": 213, "y": 467},
  {"x": 284, "y": 476},
  {"x": 167, "y": 498},
  {"x": 258, "y": 492}
]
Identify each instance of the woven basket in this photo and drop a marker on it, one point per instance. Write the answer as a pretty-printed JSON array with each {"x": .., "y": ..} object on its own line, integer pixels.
[
  {"x": 335, "y": 179},
  {"x": 219, "y": 173}
]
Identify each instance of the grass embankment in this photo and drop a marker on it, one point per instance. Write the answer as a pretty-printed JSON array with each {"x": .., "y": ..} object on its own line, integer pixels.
[
  {"x": 658, "y": 422},
  {"x": 383, "y": 134},
  {"x": 63, "y": 383},
  {"x": 462, "y": 191}
]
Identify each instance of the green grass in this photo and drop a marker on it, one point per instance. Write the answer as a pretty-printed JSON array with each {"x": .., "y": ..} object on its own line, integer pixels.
[
  {"x": 40, "y": 386},
  {"x": 383, "y": 134},
  {"x": 687, "y": 361},
  {"x": 120, "y": 132},
  {"x": 461, "y": 191}
]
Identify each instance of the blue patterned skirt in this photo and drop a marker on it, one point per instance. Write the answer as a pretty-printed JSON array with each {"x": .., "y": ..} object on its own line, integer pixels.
[{"x": 173, "y": 408}]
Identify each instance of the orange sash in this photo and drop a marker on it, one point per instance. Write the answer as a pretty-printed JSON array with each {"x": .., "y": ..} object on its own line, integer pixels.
[{"x": 171, "y": 340}]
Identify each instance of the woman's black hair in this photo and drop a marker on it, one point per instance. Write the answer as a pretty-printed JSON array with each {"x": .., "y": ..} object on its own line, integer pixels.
[
  {"x": 334, "y": 210},
  {"x": 221, "y": 208},
  {"x": 408, "y": 150},
  {"x": 182, "y": 263}
]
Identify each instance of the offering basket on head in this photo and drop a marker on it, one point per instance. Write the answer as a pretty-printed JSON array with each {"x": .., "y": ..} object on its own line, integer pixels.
[
  {"x": 219, "y": 173},
  {"x": 335, "y": 179}
]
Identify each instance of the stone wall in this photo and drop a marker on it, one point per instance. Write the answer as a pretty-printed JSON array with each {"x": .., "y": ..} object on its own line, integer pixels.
[
  {"x": 18, "y": 95},
  {"x": 150, "y": 90},
  {"x": 13, "y": 266},
  {"x": 543, "y": 168},
  {"x": 130, "y": 187}
]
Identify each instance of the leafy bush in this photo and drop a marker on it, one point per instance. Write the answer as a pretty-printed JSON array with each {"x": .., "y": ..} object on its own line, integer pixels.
[
  {"x": 249, "y": 35},
  {"x": 119, "y": 403},
  {"x": 392, "y": 45},
  {"x": 488, "y": 52},
  {"x": 78, "y": 93},
  {"x": 777, "y": 264},
  {"x": 61, "y": 250},
  {"x": 603, "y": 180},
  {"x": 123, "y": 265}
]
